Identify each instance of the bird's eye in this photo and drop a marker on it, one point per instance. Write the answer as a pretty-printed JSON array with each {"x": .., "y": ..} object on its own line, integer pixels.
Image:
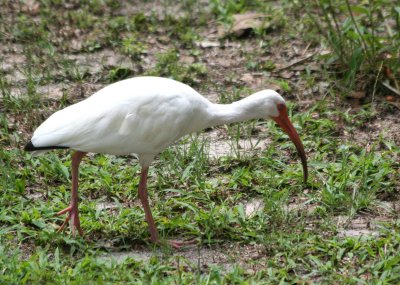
[{"x": 280, "y": 106}]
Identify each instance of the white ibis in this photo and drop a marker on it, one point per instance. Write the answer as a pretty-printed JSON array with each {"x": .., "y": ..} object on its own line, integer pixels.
[{"x": 143, "y": 116}]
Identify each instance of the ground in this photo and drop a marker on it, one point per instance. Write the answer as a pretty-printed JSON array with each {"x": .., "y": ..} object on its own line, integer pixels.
[{"x": 236, "y": 189}]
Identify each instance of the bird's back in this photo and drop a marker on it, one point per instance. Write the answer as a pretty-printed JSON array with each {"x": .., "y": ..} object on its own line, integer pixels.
[{"x": 142, "y": 115}]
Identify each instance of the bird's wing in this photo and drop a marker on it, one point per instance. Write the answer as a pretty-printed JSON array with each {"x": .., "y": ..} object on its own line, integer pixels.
[
  {"x": 72, "y": 126},
  {"x": 133, "y": 116},
  {"x": 155, "y": 123}
]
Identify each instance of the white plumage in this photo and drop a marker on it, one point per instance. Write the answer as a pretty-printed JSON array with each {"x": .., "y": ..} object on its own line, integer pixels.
[{"x": 143, "y": 116}]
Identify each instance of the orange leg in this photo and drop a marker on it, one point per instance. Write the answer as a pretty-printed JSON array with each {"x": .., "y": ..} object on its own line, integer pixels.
[
  {"x": 72, "y": 209},
  {"x": 142, "y": 190},
  {"x": 143, "y": 195}
]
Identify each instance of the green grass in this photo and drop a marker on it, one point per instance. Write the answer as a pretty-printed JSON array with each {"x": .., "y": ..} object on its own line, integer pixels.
[
  {"x": 361, "y": 41},
  {"x": 299, "y": 235}
]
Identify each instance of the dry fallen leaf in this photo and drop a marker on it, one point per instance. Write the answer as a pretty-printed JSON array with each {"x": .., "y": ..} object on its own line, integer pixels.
[
  {"x": 356, "y": 94},
  {"x": 208, "y": 44},
  {"x": 286, "y": 74},
  {"x": 187, "y": 59},
  {"x": 243, "y": 23},
  {"x": 389, "y": 98},
  {"x": 253, "y": 79},
  {"x": 31, "y": 7},
  {"x": 274, "y": 87},
  {"x": 247, "y": 77},
  {"x": 315, "y": 115}
]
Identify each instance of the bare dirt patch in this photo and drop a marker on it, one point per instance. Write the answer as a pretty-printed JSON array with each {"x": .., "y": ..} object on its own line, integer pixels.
[
  {"x": 200, "y": 258},
  {"x": 220, "y": 144}
]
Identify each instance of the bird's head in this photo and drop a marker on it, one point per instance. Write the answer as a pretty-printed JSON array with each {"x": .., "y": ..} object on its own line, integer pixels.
[{"x": 273, "y": 106}]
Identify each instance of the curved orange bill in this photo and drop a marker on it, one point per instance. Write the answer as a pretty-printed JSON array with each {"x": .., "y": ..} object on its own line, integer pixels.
[{"x": 284, "y": 122}]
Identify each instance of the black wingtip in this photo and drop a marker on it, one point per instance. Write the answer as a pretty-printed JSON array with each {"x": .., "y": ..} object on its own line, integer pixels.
[{"x": 29, "y": 146}]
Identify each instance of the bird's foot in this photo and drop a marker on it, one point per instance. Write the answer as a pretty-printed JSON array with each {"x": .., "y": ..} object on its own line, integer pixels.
[{"x": 73, "y": 216}]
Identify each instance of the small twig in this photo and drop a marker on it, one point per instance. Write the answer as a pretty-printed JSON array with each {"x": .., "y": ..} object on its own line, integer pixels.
[
  {"x": 376, "y": 81},
  {"x": 394, "y": 90},
  {"x": 388, "y": 29},
  {"x": 297, "y": 62},
  {"x": 396, "y": 83},
  {"x": 306, "y": 49}
]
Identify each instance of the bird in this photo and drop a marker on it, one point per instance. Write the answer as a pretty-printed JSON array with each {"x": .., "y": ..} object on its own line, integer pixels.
[{"x": 143, "y": 116}]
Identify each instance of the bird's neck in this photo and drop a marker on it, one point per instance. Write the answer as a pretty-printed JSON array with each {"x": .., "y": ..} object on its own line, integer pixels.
[{"x": 231, "y": 113}]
